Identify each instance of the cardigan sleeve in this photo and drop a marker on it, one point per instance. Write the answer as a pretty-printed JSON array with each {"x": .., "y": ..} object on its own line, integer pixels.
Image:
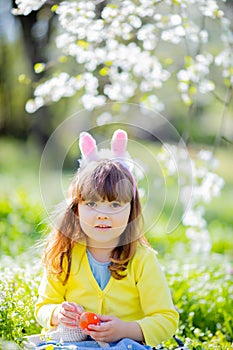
[
  {"x": 160, "y": 319},
  {"x": 51, "y": 294}
]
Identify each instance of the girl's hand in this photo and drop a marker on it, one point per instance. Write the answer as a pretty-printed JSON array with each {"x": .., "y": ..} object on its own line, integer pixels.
[
  {"x": 68, "y": 314},
  {"x": 113, "y": 329}
]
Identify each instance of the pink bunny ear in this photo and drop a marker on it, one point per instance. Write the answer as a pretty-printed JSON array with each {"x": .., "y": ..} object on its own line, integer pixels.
[
  {"x": 88, "y": 146},
  {"x": 119, "y": 143}
]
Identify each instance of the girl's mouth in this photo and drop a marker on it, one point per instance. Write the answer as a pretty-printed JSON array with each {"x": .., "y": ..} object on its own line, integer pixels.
[{"x": 102, "y": 227}]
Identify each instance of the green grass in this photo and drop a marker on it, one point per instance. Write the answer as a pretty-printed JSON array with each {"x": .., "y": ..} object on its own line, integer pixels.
[
  {"x": 19, "y": 283},
  {"x": 202, "y": 292}
]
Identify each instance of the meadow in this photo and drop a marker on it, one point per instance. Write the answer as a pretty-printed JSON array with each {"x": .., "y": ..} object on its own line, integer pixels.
[{"x": 201, "y": 285}]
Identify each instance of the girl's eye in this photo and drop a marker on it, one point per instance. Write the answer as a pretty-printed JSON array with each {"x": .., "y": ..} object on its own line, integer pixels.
[
  {"x": 115, "y": 205},
  {"x": 91, "y": 204}
]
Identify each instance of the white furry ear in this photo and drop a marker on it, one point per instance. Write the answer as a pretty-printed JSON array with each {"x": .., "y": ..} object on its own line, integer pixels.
[
  {"x": 88, "y": 148},
  {"x": 119, "y": 143}
]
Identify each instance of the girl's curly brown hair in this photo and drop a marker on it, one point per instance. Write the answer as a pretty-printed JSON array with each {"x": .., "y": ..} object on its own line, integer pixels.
[{"x": 102, "y": 180}]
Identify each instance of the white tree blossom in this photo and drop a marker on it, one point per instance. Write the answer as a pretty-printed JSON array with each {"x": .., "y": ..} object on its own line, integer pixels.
[
  {"x": 27, "y": 6},
  {"x": 124, "y": 43},
  {"x": 205, "y": 186}
]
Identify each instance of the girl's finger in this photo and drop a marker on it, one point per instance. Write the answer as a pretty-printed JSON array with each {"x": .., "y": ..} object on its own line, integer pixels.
[
  {"x": 73, "y": 307},
  {"x": 97, "y": 328},
  {"x": 105, "y": 318},
  {"x": 79, "y": 309},
  {"x": 68, "y": 306},
  {"x": 68, "y": 320}
]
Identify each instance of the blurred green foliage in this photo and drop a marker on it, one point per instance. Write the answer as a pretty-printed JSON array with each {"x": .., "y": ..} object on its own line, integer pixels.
[
  {"x": 21, "y": 213},
  {"x": 21, "y": 223},
  {"x": 14, "y": 89}
]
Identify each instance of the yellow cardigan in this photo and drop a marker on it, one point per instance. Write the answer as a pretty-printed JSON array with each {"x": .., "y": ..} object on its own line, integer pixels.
[{"x": 142, "y": 296}]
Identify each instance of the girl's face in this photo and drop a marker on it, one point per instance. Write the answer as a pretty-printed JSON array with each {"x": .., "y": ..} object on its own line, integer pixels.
[{"x": 103, "y": 222}]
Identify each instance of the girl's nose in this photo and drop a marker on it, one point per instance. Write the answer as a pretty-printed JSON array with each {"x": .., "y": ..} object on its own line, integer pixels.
[{"x": 101, "y": 216}]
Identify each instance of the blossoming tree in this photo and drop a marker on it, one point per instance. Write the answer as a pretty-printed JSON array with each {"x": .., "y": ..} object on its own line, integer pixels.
[
  {"x": 127, "y": 50},
  {"x": 120, "y": 50}
]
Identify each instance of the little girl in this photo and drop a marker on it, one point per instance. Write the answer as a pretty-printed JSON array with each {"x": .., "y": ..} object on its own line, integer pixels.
[{"x": 98, "y": 259}]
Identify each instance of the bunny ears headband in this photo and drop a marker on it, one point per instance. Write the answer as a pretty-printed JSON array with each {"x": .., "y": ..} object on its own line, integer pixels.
[{"x": 118, "y": 151}]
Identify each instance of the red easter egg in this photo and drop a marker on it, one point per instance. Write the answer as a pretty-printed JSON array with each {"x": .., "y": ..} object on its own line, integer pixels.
[{"x": 87, "y": 318}]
